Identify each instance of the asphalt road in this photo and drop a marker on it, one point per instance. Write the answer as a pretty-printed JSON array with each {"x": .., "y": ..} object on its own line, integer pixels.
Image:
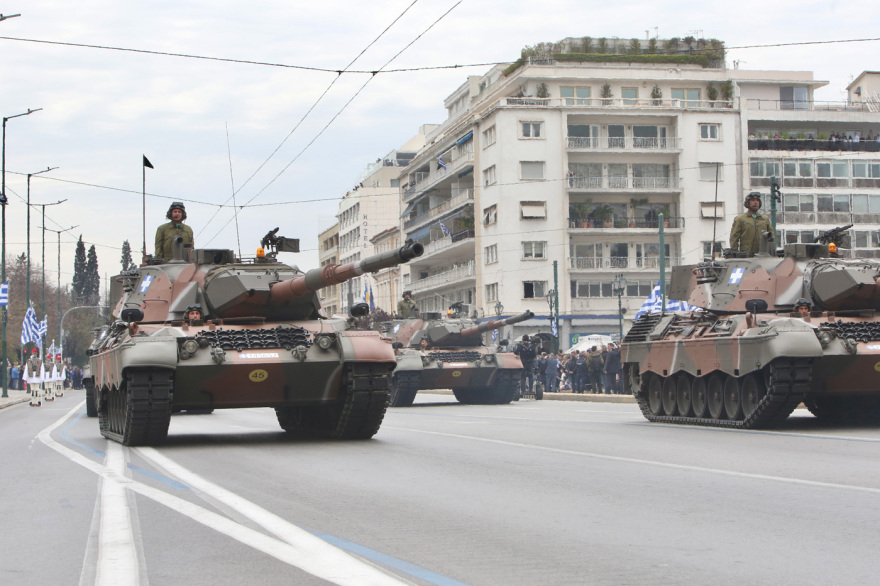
[{"x": 548, "y": 492}]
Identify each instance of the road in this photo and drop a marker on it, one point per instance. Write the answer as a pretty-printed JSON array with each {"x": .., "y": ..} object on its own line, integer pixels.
[{"x": 548, "y": 492}]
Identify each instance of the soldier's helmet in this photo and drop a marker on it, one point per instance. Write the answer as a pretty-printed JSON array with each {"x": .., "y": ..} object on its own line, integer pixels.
[
  {"x": 194, "y": 307},
  {"x": 176, "y": 205},
  {"x": 752, "y": 195},
  {"x": 405, "y": 293},
  {"x": 802, "y": 302},
  {"x": 34, "y": 351},
  {"x": 525, "y": 338}
]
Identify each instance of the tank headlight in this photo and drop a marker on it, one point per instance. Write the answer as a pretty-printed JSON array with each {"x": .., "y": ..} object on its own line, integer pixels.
[
  {"x": 184, "y": 355},
  {"x": 203, "y": 341},
  {"x": 190, "y": 345},
  {"x": 324, "y": 341}
]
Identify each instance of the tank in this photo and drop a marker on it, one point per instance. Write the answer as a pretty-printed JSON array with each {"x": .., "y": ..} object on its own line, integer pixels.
[
  {"x": 748, "y": 358},
  {"x": 448, "y": 353},
  {"x": 261, "y": 342}
]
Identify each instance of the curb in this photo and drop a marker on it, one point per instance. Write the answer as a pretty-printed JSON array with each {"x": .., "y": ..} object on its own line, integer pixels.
[{"x": 589, "y": 397}]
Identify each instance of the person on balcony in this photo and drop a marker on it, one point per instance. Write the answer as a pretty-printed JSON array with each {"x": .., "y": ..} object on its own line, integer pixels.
[{"x": 745, "y": 235}]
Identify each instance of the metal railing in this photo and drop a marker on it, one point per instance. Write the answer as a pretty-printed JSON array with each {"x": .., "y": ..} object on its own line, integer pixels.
[
  {"x": 810, "y": 144},
  {"x": 761, "y": 104},
  {"x": 450, "y": 204},
  {"x": 618, "y": 103},
  {"x": 623, "y": 182},
  {"x": 620, "y": 262},
  {"x": 445, "y": 278},
  {"x": 624, "y": 143},
  {"x": 620, "y": 222}
]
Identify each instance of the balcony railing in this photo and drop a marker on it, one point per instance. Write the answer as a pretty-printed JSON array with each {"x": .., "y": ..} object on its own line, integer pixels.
[
  {"x": 623, "y": 143},
  {"x": 760, "y": 104},
  {"x": 445, "y": 278},
  {"x": 620, "y": 222},
  {"x": 432, "y": 246},
  {"x": 620, "y": 262},
  {"x": 623, "y": 182},
  {"x": 821, "y": 182},
  {"x": 425, "y": 180},
  {"x": 618, "y": 103},
  {"x": 809, "y": 144},
  {"x": 450, "y": 204}
]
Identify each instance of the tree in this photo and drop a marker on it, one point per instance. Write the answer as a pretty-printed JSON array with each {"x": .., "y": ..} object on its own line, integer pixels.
[
  {"x": 586, "y": 45},
  {"x": 79, "y": 269},
  {"x": 602, "y": 46},
  {"x": 92, "y": 287},
  {"x": 126, "y": 256},
  {"x": 635, "y": 47}
]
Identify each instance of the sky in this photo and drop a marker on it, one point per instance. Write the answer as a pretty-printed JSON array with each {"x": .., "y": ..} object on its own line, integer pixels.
[{"x": 270, "y": 134}]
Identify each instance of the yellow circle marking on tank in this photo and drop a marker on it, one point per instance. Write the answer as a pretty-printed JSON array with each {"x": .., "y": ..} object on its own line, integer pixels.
[
  {"x": 456, "y": 373},
  {"x": 258, "y": 375},
  {"x": 877, "y": 367}
]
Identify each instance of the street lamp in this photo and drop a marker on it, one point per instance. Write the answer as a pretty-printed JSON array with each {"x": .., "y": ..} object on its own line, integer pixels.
[
  {"x": 499, "y": 309},
  {"x": 552, "y": 301},
  {"x": 3, "y": 201},
  {"x": 43, "y": 205},
  {"x": 59, "y": 279},
  {"x": 2, "y": 18},
  {"x": 618, "y": 287},
  {"x": 29, "y": 229}
]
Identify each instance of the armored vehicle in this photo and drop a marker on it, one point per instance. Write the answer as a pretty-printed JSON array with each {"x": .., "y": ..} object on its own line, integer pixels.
[
  {"x": 772, "y": 332},
  {"x": 217, "y": 332},
  {"x": 434, "y": 353}
]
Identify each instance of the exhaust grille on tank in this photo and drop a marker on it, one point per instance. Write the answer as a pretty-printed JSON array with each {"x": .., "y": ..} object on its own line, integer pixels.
[
  {"x": 860, "y": 332},
  {"x": 280, "y": 337},
  {"x": 641, "y": 328},
  {"x": 463, "y": 356}
]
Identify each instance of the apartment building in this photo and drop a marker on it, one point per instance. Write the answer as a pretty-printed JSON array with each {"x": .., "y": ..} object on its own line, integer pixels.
[
  {"x": 328, "y": 254},
  {"x": 554, "y": 175}
]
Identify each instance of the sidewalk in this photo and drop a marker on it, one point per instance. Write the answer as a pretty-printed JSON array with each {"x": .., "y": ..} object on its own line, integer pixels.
[{"x": 14, "y": 398}]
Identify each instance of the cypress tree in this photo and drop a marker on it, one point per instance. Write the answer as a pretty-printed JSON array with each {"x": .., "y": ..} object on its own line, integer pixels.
[
  {"x": 92, "y": 288},
  {"x": 79, "y": 269},
  {"x": 126, "y": 256}
]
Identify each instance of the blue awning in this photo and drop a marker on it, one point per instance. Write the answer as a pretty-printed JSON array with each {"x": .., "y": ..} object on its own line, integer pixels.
[
  {"x": 463, "y": 173},
  {"x": 465, "y": 138}
]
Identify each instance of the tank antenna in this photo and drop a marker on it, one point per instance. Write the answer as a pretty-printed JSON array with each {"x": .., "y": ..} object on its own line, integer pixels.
[
  {"x": 232, "y": 182},
  {"x": 715, "y": 214}
]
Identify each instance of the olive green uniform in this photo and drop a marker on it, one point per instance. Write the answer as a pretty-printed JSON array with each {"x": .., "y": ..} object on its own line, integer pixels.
[
  {"x": 165, "y": 235},
  {"x": 406, "y": 308},
  {"x": 745, "y": 236}
]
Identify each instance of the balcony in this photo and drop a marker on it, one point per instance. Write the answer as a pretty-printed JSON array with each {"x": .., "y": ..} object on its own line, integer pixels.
[
  {"x": 820, "y": 182},
  {"x": 463, "y": 198},
  {"x": 643, "y": 183},
  {"x": 447, "y": 278},
  {"x": 624, "y": 143},
  {"x": 618, "y": 103},
  {"x": 427, "y": 180},
  {"x": 619, "y": 223},
  {"x": 809, "y": 144},
  {"x": 583, "y": 263},
  {"x": 773, "y": 105}
]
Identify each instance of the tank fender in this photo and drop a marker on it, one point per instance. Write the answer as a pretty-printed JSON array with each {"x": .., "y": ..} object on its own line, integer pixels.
[
  {"x": 365, "y": 346},
  {"x": 158, "y": 351},
  {"x": 409, "y": 360}
]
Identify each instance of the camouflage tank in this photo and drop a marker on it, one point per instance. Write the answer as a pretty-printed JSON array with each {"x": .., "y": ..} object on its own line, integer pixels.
[
  {"x": 450, "y": 354},
  {"x": 260, "y": 342},
  {"x": 772, "y": 332}
]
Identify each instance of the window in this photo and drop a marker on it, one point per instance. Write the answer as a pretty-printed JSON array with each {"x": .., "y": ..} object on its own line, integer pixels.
[
  {"x": 764, "y": 168},
  {"x": 619, "y": 255},
  {"x": 586, "y": 256},
  {"x": 712, "y": 209},
  {"x": 492, "y": 292},
  {"x": 686, "y": 98},
  {"x": 616, "y": 136},
  {"x": 490, "y": 215},
  {"x": 865, "y": 239},
  {"x": 793, "y": 98},
  {"x": 709, "y": 132},
  {"x": 866, "y": 203},
  {"x": 531, "y": 129},
  {"x": 793, "y": 202},
  {"x": 586, "y": 289},
  {"x": 534, "y": 250},
  {"x": 534, "y": 289},
  {"x": 707, "y": 249},
  {"x": 491, "y": 254},
  {"x": 799, "y": 236},
  {"x": 708, "y": 171},
  {"x": 649, "y": 137},
  {"x": 489, "y": 136},
  {"x": 797, "y": 168},
  {"x": 531, "y": 210},
  {"x": 832, "y": 203},
  {"x": 572, "y": 96},
  {"x": 866, "y": 169},
  {"x": 489, "y": 176},
  {"x": 531, "y": 170},
  {"x": 832, "y": 169},
  {"x": 630, "y": 95}
]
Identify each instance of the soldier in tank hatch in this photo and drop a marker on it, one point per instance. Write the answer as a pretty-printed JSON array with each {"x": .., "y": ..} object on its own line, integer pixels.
[
  {"x": 745, "y": 235},
  {"x": 406, "y": 307},
  {"x": 166, "y": 233}
]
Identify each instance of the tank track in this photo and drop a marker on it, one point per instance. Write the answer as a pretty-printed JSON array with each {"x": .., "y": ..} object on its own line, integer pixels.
[
  {"x": 138, "y": 413},
  {"x": 404, "y": 386},
  {"x": 787, "y": 386},
  {"x": 501, "y": 393}
]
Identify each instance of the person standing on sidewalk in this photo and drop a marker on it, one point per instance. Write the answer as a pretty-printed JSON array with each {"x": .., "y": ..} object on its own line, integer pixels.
[
  {"x": 551, "y": 369},
  {"x": 612, "y": 369}
]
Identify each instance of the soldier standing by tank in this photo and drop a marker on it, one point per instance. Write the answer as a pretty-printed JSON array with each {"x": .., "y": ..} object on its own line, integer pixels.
[
  {"x": 527, "y": 354},
  {"x": 406, "y": 307},
  {"x": 745, "y": 235},
  {"x": 167, "y": 233}
]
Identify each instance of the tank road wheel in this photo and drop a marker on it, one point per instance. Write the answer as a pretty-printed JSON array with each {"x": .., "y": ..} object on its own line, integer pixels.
[
  {"x": 733, "y": 399},
  {"x": 632, "y": 380},
  {"x": 670, "y": 395},
  {"x": 138, "y": 413},
  {"x": 303, "y": 419},
  {"x": 466, "y": 396},
  {"x": 404, "y": 386},
  {"x": 715, "y": 396},
  {"x": 753, "y": 391},
  {"x": 698, "y": 397},
  {"x": 655, "y": 395},
  {"x": 683, "y": 394}
]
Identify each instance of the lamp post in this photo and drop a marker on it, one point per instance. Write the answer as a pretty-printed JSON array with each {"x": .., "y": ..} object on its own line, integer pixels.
[
  {"x": 3, "y": 201},
  {"x": 618, "y": 287},
  {"x": 60, "y": 332},
  {"x": 552, "y": 301},
  {"x": 29, "y": 229},
  {"x": 43, "y": 205},
  {"x": 499, "y": 309}
]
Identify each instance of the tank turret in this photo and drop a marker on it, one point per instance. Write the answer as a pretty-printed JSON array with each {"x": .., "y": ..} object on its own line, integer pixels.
[{"x": 227, "y": 288}]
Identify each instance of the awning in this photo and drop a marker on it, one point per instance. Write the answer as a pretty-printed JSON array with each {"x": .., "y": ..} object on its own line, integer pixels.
[
  {"x": 409, "y": 208},
  {"x": 420, "y": 233},
  {"x": 468, "y": 172},
  {"x": 465, "y": 138}
]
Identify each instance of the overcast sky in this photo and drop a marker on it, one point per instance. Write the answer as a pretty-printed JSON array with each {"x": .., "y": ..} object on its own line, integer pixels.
[{"x": 103, "y": 109}]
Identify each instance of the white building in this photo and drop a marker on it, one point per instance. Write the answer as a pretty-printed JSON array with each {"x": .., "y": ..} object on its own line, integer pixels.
[{"x": 574, "y": 162}]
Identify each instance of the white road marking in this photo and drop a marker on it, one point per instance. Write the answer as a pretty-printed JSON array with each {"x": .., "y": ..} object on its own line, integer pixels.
[
  {"x": 687, "y": 467},
  {"x": 117, "y": 553},
  {"x": 318, "y": 557}
]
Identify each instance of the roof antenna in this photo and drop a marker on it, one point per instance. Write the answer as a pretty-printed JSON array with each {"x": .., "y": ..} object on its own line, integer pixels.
[{"x": 232, "y": 182}]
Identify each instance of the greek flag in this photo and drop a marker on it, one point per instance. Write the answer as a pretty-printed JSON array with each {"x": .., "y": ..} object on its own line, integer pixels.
[
  {"x": 30, "y": 329},
  {"x": 51, "y": 349},
  {"x": 44, "y": 326},
  {"x": 553, "y": 326},
  {"x": 4, "y": 294},
  {"x": 444, "y": 229},
  {"x": 654, "y": 303},
  {"x": 372, "y": 303},
  {"x": 440, "y": 162}
]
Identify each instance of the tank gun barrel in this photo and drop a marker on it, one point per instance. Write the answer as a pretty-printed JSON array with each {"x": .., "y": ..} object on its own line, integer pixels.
[
  {"x": 316, "y": 279},
  {"x": 497, "y": 323}
]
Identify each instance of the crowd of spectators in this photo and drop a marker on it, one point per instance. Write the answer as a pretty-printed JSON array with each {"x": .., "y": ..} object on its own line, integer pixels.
[
  {"x": 836, "y": 141},
  {"x": 597, "y": 370}
]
